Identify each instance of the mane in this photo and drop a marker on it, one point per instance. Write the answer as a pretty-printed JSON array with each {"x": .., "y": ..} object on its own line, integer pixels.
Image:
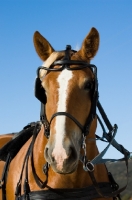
[{"x": 52, "y": 58}]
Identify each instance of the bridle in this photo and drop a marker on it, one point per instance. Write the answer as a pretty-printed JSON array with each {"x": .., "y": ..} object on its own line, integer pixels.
[
  {"x": 88, "y": 166},
  {"x": 65, "y": 64},
  {"x": 97, "y": 190}
]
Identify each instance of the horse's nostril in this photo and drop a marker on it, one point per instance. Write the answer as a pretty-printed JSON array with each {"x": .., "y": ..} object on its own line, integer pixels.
[
  {"x": 53, "y": 159},
  {"x": 46, "y": 153},
  {"x": 48, "y": 156},
  {"x": 72, "y": 153}
]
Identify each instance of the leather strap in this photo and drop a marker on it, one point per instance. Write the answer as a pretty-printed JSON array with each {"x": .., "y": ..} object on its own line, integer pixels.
[
  {"x": 87, "y": 193},
  {"x": 4, "y": 177},
  {"x": 70, "y": 116}
]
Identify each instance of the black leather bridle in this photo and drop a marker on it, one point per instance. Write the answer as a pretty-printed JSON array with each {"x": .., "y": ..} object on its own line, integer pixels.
[
  {"x": 88, "y": 166},
  {"x": 66, "y": 63},
  {"x": 97, "y": 190}
]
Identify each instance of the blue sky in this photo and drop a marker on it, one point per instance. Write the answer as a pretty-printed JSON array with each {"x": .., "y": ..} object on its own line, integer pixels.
[{"x": 65, "y": 22}]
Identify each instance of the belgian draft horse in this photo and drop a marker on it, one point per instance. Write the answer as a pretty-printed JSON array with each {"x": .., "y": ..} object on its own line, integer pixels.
[{"x": 67, "y": 97}]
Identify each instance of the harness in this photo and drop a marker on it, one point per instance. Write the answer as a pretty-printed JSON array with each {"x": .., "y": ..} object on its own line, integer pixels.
[{"x": 97, "y": 190}]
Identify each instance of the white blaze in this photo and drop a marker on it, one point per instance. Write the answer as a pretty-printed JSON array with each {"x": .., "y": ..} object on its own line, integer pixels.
[{"x": 59, "y": 152}]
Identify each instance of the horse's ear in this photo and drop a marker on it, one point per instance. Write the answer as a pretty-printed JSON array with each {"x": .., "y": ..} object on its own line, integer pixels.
[
  {"x": 90, "y": 44},
  {"x": 42, "y": 46}
]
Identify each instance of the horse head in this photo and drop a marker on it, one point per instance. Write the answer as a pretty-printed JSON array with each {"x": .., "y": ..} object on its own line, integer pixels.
[{"x": 68, "y": 98}]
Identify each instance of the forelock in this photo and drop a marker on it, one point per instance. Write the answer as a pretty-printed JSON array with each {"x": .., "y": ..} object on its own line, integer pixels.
[{"x": 52, "y": 58}]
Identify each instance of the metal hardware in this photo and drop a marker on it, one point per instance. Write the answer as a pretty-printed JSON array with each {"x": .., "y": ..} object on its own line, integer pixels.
[
  {"x": 84, "y": 144},
  {"x": 90, "y": 166},
  {"x": 1, "y": 183},
  {"x": 45, "y": 168}
]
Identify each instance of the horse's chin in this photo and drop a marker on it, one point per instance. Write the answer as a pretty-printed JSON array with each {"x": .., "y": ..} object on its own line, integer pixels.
[{"x": 64, "y": 171}]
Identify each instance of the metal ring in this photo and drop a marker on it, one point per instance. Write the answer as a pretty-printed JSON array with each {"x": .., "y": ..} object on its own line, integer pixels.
[{"x": 90, "y": 167}]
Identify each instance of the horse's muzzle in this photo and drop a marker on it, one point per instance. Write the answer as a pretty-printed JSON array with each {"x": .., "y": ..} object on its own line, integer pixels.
[{"x": 64, "y": 162}]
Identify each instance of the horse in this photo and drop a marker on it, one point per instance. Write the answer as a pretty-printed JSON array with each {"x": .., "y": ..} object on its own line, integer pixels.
[{"x": 54, "y": 163}]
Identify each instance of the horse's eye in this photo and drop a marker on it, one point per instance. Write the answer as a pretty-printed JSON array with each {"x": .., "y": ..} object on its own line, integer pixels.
[{"x": 88, "y": 85}]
